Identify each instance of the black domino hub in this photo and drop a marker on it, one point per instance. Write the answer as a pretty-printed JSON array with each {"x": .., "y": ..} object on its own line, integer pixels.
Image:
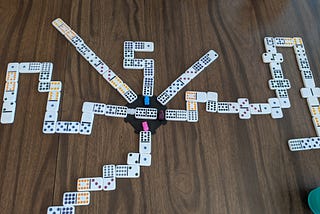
[{"x": 137, "y": 123}]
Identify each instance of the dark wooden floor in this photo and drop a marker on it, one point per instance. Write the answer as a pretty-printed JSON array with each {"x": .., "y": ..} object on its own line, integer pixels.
[{"x": 219, "y": 165}]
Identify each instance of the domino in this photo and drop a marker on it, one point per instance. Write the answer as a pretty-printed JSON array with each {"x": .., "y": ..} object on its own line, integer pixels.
[
  {"x": 192, "y": 111},
  {"x": 146, "y": 113},
  {"x": 133, "y": 63},
  {"x": 61, "y": 210},
  {"x": 49, "y": 122},
  {"x": 310, "y": 92},
  {"x": 127, "y": 93},
  {"x": 109, "y": 177},
  {"x": 46, "y": 72},
  {"x": 164, "y": 98},
  {"x": 8, "y": 112},
  {"x": 74, "y": 38},
  {"x": 170, "y": 92},
  {"x": 55, "y": 86},
  {"x": 10, "y": 92},
  {"x": 314, "y": 110},
  {"x": 279, "y": 84},
  {"x": 313, "y": 104},
  {"x": 302, "y": 144},
  {"x": 128, "y": 50},
  {"x": 212, "y": 102},
  {"x": 276, "y": 111},
  {"x": 89, "y": 184},
  {"x": 195, "y": 96},
  {"x": 148, "y": 85},
  {"x": 187, "y": 76},
  {"x": 303, "y": 62},
  {"x": 109, "y": 75},
  {"x": 116, "y": 82},
  {"x": 85, "y": 51},
  {"x": 140, "y": 46},
  {"x": 299, "y": 144},
  {"x": 12, "y": 74},
  {"x": 128, "y": 45},
  {"x": 98, "y": 65},
  {"x": 284, "y": 42},
  {"x": 244, "y": 108},
  {"x": 86, "y": 124},
  {"x": 260, "y": 108},
  {"x": 147, "y": 91},
  {"x": 307, "y": 78},
  {"x": 270, "y": 45},
  {"x": 282, "y": 95},
  {"x": 315, "y": 142},
  {"x": 276, "y": 70},
  {"x": 176, "y": 115},
  {"x": 316, "y": 124},
  {"x": 272, "y": 57},
  {"x": 61, "y": 26},
  {"x": 95, "y": 108},
  {"x": 67, "y": 127},
  {"x": 148, "y": 70},
  {"x": 298, "y": 46},
  {"x": 130, "y": 96},
  {"x": 145, "y": 142},
  {"x": 123, "y": 88},
  {"x": 76, "y": 198},
  {"x": 29, "y": 67},
  {"x": 127, "y": 171},
  {"x": 228, "y": 107},
  {"x": 116, "y": 111},
  {"x": 53, "y": 101},
  {"x": 44, "y": 87},
  {"x": 208, "y": 58},
  {"x": 51, "y": 116},
  {"x": 139, "y": 159},
  {"x": 211, "y": 106}
]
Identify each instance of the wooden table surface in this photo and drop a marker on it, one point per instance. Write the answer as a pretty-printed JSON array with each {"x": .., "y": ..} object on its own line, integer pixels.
[{"x": 220, "y": 164}]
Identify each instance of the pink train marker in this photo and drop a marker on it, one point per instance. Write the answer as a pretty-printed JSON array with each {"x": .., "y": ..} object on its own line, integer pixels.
[{"x": 145, "y": 126}]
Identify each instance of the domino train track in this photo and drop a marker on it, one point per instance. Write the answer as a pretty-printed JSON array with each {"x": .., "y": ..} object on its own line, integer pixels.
[{"x": 144, "y": 114}]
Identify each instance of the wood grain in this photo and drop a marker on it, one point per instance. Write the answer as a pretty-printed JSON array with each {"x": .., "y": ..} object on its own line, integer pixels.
[{"x": 219, "y": 165}]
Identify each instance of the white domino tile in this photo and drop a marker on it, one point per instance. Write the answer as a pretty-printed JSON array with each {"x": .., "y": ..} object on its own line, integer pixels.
[
  {"x": 8, "y": 112},
  {"x": 141, "y": 46},
  {"x": 86, "y": 123},
  {"x": 139, "y": 159},
  {"x": 116, "y": 111},
  {"x": 10, "y": 91},
  {"x": 302, "y": 144},
  {"x": 61, "y": 210},
  {"x": 146, "y": 113},
  {"x": 144, "y": 142},
  {"x": 89, "y": 184},
  {"x": 67, "y": 127},
  {"x": 196, "y": 96},
  {"x": 109, "y": 177},
  {"x": 127, "y": 171},
  {"x": 29, "y": 67},
  {"x": 76, "y": 198},
  {"x": 228, "y": 107},
  {"x": 95, "y": 108},
  {"x": 176, "y": 115}
]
